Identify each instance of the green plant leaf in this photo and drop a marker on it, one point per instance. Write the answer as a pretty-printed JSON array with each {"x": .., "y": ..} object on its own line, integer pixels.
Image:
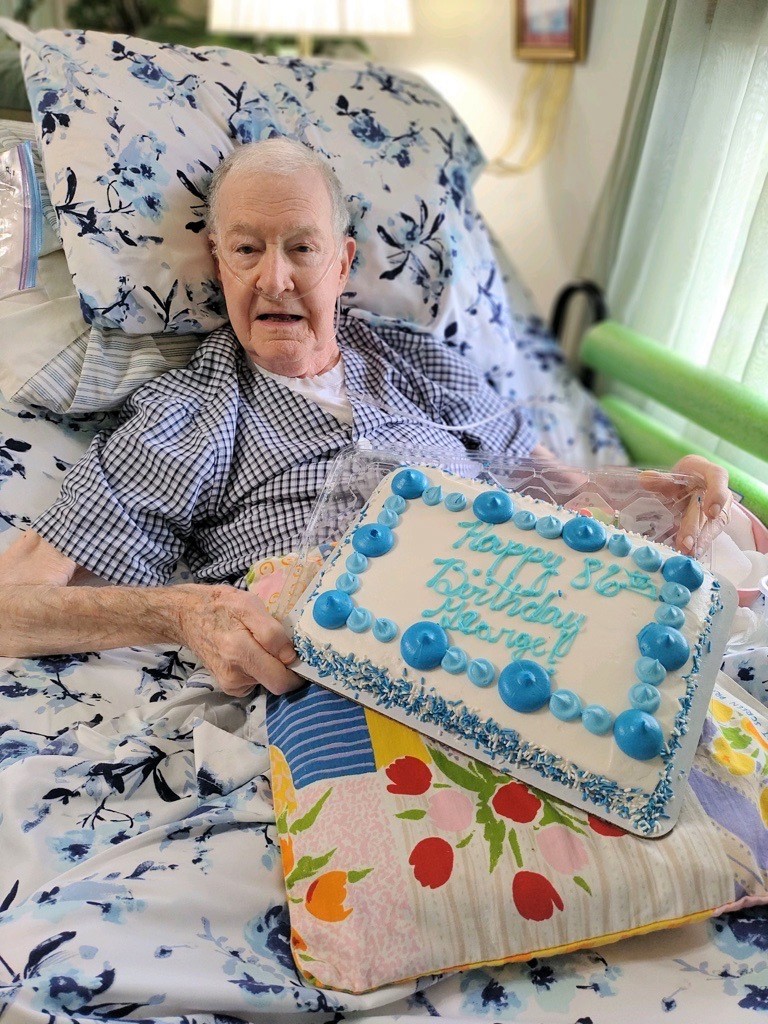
[
  {"x": 465, "y": 841},
  {"x": 306, "y": 866},
  {"x": 308, "y": 820},
  {"x": 413, "y": 815},
  {"x": 580, "y": 881},
  {"x": 737, "y": 739},
  {"x": 355, "y": 876},
  {"x": 493, "y": 833},
  {"x": 512, "y": 837},
  {"x": 553, "y": 814},
  {"x": 487, "y": 773},
  {"x": 454, "y": 772}
]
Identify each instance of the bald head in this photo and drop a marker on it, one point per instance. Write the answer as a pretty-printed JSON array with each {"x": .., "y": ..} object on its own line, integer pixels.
[{"x": 279, "y": 157}]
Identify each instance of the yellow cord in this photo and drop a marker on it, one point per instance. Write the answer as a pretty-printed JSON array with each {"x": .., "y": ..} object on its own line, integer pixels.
[{"x": 543, "y": 94}]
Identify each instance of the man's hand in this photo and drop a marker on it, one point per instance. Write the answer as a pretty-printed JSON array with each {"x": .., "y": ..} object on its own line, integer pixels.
[
  {"x": 228, "y": 629},
  {"x": 235, "y": 637}
]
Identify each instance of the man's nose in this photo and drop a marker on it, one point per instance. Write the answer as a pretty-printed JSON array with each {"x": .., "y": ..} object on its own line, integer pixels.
[{"x": 274, "y": 273}]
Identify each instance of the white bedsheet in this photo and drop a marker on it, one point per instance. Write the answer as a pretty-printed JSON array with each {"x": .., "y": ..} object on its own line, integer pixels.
[{"x": 139, "y": 869}]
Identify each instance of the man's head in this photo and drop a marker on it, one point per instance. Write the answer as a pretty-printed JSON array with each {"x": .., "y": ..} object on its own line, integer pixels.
[{"x": 278, "y": 228}]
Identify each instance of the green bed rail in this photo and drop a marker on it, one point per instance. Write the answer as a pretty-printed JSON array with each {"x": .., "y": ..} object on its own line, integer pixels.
[{"x": 725, "y": 407}]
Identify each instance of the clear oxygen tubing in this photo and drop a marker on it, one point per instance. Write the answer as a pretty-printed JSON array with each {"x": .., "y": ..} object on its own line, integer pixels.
[
  {"x": 248, "y": 265},
  {"x": 509, "y": 408},
  {"x": 239, "y": 274}
]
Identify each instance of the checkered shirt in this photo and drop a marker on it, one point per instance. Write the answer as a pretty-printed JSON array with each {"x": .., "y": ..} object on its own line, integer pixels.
[{"x": 222, "y": 465}]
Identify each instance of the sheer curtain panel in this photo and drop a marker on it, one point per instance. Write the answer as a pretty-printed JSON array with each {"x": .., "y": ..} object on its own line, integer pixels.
[{"x": 680, "y": 236}]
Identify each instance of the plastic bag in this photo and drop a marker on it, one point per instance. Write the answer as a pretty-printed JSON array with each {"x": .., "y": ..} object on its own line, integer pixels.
[{"x": 21, "y": 220}]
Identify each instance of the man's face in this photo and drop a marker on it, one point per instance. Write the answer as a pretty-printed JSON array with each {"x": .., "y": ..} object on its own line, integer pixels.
[{"x": 275, "y": 238}]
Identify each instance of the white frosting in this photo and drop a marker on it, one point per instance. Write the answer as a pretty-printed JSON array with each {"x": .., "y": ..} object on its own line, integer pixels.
[{"x": 599, "y": 666}]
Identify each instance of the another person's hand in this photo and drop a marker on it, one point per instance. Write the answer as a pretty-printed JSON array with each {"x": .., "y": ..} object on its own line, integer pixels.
[
  {"x": 709, "y": 500},
  {"x": 236, "y": 638}
]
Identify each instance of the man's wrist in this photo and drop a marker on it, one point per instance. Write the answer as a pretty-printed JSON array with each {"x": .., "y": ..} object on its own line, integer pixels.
[{"x": 172, "y": 606}]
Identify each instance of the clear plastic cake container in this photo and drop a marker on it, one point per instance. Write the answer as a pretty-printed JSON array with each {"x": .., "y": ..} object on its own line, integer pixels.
[
  {"x": 618, "y": 495},
  {"x": 650, "y": 506}
]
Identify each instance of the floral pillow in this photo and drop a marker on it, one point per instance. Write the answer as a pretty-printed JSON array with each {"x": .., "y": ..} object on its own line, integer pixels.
[
  {"x": 404, "y": 858},
  {"x": 131, "y": 130},
  {"x": 49, "y": 356}
]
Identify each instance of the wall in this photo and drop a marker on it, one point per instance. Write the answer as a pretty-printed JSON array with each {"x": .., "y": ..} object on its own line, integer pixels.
[{"x": 464, "y": 48}]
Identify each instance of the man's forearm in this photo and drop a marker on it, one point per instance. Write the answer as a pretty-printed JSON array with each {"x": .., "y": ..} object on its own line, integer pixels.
[{"x": 42, "y": 619}]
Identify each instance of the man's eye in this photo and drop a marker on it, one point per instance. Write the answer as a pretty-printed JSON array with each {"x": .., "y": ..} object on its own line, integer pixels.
[
  {"x": 245, "y": 250},
  {"x": 303, "y": 248}
]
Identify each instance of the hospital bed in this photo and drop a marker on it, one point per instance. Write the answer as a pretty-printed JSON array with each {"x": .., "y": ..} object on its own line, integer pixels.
[{"x": 140, "y": 876}]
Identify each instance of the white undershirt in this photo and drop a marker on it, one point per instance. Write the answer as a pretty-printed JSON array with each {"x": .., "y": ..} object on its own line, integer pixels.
[{"x": 326, "y": 389}]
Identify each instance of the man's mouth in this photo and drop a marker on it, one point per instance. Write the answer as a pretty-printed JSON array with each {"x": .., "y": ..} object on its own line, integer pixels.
[{"x": 279, "y": 317}]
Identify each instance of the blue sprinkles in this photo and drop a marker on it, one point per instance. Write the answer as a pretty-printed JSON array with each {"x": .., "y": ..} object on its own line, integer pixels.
[{"x": 487, "y": 734}]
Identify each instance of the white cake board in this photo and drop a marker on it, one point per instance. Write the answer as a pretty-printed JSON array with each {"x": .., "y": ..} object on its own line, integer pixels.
[
  {"x": 355, "y": 475},
  {"x": 710, "y": 665}
]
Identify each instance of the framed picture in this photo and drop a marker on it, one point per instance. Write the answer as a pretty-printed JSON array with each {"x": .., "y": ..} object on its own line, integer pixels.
[{"x": 551, "y": 30}]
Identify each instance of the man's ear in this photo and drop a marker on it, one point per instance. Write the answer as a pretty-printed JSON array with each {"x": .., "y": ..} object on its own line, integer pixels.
[
  {"x": 214, "y": 253},
  {"x": 347, "y": 255}
]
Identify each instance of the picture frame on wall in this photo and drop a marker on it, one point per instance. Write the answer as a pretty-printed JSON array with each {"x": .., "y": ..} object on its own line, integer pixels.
[{"x": 550, "y": 30}]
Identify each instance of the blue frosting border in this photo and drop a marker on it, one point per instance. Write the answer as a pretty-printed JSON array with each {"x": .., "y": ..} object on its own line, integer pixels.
[{"x": 413, "y": 697}]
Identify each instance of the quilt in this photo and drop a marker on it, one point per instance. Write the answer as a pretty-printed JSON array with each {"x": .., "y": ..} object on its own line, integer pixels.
[{"x": 140, "y": 872}]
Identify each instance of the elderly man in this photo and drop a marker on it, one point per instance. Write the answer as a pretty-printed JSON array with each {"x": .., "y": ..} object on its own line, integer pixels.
[{"x": 221, "y": 461}]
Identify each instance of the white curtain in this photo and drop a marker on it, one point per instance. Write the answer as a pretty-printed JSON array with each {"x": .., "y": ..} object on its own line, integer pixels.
[{"x": 680, "y": 238}]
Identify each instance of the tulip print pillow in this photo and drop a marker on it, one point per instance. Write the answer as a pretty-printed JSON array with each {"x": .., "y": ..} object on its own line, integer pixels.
[{"x": 404, "y": 858}]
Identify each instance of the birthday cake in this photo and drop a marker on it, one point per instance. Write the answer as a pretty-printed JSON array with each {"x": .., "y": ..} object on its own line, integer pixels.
[{"x": 565, "y": 651}]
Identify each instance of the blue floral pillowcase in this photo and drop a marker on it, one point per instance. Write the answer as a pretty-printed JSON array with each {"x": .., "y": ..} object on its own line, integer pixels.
[
  {"x": 49, "y": 356},
  {"x": 158, "y": 120},
  {"x": 130, "y": 132}
]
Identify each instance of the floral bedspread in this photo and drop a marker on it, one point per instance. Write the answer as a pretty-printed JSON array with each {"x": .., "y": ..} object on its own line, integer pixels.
[{"x": 140, "y": 874}]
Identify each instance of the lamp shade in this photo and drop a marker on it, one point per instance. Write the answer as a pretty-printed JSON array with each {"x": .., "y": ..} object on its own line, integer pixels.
[
  {"x": 315, "y": 17},
  {"x": 369, "y": 18}
]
